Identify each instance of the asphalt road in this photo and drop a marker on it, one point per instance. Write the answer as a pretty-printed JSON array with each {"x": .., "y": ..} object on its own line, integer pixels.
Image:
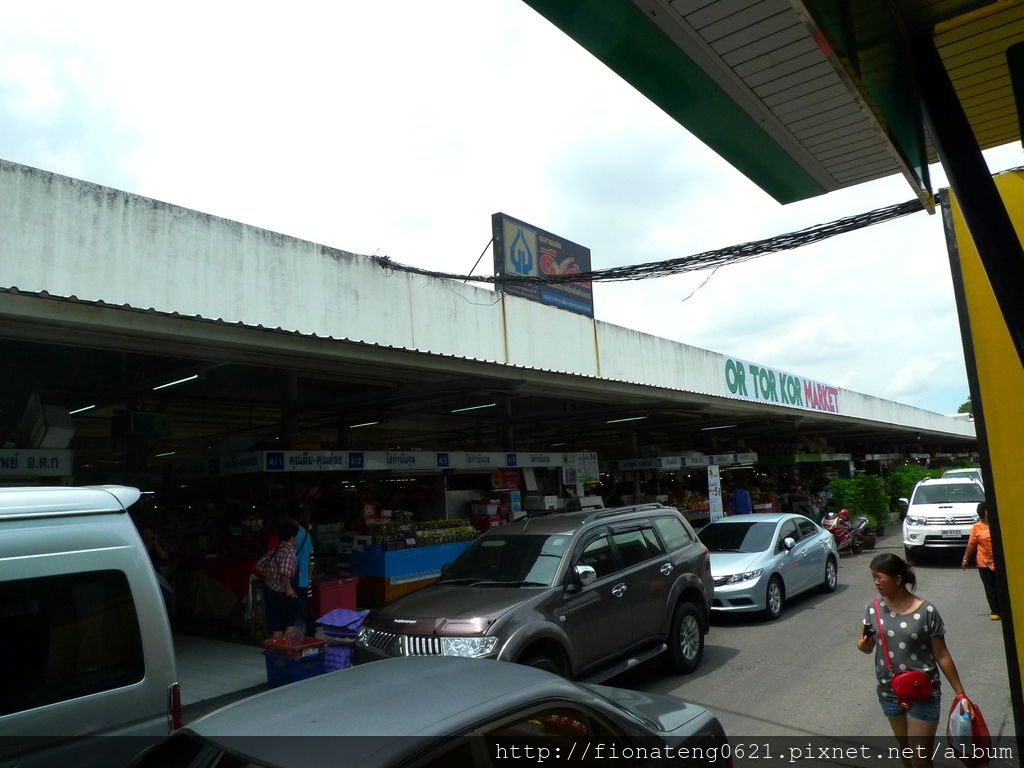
[{"x": 802, "y": 674}]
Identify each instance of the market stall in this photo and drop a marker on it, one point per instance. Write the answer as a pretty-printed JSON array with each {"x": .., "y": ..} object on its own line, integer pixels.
[
  {"x": 688, "y": 480},
  {"x": 383, "y": 522}
]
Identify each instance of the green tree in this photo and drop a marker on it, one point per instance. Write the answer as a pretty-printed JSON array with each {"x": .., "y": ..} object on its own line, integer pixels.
[{"x": 966, "y": 407}]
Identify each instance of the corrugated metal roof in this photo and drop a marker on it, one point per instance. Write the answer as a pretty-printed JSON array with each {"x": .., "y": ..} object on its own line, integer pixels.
[{"x": 829, "y": 88}]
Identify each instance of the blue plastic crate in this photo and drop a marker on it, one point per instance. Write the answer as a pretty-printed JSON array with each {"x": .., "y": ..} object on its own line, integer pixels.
[
  {"x": 282, "y": 670},
  {"x": 338, "y": 657}
]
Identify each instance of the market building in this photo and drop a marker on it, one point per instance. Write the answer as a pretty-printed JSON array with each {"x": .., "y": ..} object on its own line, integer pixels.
[{"x": 241, "y": 375}]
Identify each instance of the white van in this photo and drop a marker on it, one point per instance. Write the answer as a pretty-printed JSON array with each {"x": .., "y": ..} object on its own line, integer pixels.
[
  {"x": 86, "y": 642},
  {"x": 940, "y": 514}
]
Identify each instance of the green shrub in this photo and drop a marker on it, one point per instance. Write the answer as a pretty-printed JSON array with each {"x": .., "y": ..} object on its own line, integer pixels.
[
  {"x": 901, "y": 480},
  {"x": 862, "y": 495}
]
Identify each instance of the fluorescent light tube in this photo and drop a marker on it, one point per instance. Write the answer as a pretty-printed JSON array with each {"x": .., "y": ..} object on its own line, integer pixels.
[
  {"x": 179, "y": 381},
  {"x": 472, "y": 408}
]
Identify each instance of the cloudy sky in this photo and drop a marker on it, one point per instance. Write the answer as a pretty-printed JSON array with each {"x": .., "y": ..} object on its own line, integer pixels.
[{"x": 398, "y": 129}]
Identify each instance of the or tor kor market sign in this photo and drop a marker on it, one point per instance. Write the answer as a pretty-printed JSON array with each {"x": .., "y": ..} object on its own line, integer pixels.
[{"x": 751, "y": 381}]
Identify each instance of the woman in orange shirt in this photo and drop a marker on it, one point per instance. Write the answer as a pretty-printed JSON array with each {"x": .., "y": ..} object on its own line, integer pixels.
[{"x": 980, "y": 543}]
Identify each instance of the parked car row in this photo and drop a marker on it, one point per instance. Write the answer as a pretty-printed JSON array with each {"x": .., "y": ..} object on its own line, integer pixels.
[{"x": 573, "y": 599}]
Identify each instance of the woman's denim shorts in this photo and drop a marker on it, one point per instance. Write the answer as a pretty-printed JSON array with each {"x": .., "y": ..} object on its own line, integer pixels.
[{"x": 927, "y": 710}]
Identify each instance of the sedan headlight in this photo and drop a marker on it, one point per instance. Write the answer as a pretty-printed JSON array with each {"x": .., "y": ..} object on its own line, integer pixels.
[
  {"x": 736, "y": 578},
  {"x": 362, "y": 636},
  {"x": 472, "y": 647}
]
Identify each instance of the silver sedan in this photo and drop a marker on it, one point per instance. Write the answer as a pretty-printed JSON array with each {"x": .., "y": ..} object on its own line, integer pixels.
[{"x": 759, "y": 561}]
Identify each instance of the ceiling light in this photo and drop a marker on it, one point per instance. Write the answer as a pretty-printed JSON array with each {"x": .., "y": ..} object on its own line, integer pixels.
[
  {"x": 631, "y": 418},
  {"x": 724, "y": 426},
  {"x": 168, "y": 453},
  {"x": 179, "y": 381},
  {"x": 555, "y": 445},
  {"x": 364, "y": 424},
  {"x": 472, "y": 408},
  {"x": 80, "y": 410}
]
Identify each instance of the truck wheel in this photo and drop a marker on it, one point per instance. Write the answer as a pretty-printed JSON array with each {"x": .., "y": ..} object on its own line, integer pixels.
[
  {"x": 540, "y": 661},
  {"x": 685, "y": 640}
]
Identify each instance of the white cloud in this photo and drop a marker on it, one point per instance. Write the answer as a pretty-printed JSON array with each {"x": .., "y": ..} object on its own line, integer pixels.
[{"x": 400, "y": 127}]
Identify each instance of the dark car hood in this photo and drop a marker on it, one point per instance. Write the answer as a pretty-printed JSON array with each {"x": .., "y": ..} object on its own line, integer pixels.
[{"x": 446, "y": 609}]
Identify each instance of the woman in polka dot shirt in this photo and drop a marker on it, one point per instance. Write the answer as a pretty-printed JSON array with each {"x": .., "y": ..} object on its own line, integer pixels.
[{"x": 915, "y": 635}]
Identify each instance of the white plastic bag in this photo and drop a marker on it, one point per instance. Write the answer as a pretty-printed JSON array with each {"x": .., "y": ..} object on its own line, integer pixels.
[{"x": 958, "y": 728}]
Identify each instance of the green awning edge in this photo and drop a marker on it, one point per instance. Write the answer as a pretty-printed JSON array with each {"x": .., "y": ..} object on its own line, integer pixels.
[{"x": 619, "y": 34}]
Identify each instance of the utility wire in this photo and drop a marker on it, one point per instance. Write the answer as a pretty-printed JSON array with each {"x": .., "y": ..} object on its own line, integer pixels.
[{"x": 733, "y": 254}]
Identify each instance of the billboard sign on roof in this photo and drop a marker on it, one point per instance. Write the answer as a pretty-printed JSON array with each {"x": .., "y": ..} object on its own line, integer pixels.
[{"x": 522, "y": 250}]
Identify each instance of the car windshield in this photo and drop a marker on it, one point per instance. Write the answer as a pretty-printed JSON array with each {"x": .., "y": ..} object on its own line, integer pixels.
[
  {"x": 521, "y": 559},
  {"x": 738, "y": 537},
  {"x": 948, "y": 494}
]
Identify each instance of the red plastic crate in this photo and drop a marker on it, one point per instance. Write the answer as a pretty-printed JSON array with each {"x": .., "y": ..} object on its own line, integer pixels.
[
  {"x": 281, "y": 646},
  {"x": 329, "y": 594}
]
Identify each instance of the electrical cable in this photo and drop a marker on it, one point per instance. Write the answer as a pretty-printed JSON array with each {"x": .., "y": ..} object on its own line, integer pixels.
[{"x": 733, "y": 254}]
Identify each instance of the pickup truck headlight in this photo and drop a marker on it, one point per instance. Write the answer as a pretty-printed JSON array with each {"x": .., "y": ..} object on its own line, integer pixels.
[{"x": 471, "y": 647}]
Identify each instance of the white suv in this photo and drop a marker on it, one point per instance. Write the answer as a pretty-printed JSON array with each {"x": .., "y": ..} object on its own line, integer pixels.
[
  {"x": 940, "y": 513},
  {"x": 968, "y": 472}
]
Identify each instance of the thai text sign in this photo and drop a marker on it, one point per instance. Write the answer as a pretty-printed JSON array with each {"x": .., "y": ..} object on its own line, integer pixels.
[
  {"x": 344, "y": 461},
  {"x": 767, "y": 385},
  {"x": 522, "y": 250},
  {"x": 35, "y": 463}
]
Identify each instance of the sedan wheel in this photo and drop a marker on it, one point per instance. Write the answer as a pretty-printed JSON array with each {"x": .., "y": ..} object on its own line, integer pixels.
[
  {"x": 831, "y": 576},
  {"x": 773, "y": 599}
]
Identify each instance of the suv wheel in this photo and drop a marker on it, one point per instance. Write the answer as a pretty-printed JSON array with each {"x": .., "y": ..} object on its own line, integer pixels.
[
  {"x": 908, "y": 554},
  {"x": 540, "y": 661},
  {"x": 774, "y": 597},
  {"x": 685, "y": 640}
]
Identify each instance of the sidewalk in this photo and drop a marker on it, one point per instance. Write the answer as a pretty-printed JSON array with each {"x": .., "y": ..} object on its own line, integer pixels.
[{"x": 213, "y": 673}]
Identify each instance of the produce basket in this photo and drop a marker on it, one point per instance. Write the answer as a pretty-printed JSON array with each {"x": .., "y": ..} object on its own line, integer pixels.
[{"x": 297, "y": 648}]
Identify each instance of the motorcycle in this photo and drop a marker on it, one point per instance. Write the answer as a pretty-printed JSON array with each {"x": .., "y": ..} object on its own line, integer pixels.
[{"x": 849, "y": 536}]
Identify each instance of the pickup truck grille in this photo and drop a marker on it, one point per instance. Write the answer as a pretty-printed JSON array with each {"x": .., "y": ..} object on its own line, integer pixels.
[
  {"x": 394, "y": 644},
  {"x": 416, "y": 645},
  {"x": 951, "y": 521}
]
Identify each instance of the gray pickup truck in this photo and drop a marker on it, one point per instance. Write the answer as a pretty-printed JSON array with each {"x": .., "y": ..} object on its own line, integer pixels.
[{"x": 584, "y": 594}]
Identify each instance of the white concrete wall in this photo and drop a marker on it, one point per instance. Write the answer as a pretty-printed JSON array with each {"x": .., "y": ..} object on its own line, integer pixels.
[{"x": 71, "y": 238}]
